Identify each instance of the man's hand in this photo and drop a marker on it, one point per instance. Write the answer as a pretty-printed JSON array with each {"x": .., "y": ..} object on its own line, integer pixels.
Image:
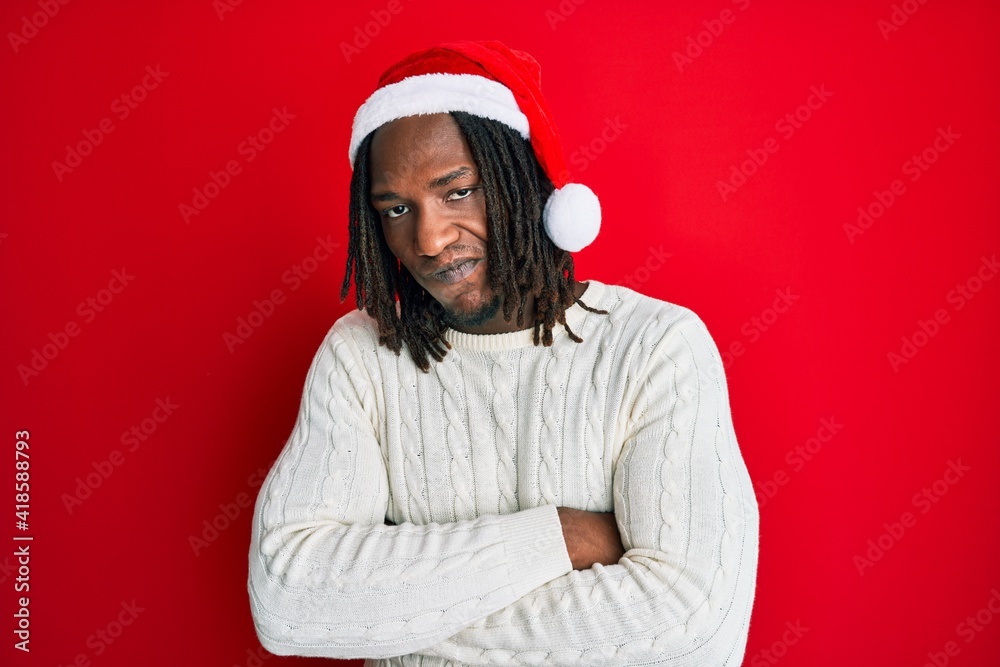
[{"x": 591, "y": 537}]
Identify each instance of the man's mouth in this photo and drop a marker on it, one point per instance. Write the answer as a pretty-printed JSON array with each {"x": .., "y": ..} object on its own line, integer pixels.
[{"x": 458, "y": 272}]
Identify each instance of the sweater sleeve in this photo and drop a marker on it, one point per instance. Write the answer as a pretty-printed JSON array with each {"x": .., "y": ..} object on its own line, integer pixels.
[
  {"x": 683, "y": 592},
  {"x": 328, "y": 578}
]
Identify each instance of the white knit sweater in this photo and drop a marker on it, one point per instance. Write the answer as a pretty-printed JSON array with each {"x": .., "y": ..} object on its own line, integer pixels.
[{"x": 470, "y": 462}]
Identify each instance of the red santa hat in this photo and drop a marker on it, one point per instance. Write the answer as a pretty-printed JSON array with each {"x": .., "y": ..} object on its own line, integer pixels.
[{"x": 487, "y": 79}]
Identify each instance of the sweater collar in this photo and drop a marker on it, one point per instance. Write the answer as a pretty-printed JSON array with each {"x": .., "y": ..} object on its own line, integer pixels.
[{"x": 575, "y": 316}]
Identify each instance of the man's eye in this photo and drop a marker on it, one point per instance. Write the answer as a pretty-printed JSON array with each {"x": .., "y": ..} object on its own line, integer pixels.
[
  {"x": 395, "y": 211},
  {"x": 460, "y": 194}
]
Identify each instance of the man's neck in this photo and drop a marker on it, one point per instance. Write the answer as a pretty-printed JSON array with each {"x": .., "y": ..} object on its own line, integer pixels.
[{"x": 503, "y": 326}]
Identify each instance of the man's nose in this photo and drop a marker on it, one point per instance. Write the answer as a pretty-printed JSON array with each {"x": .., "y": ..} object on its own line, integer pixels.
[{"x": 433, "y": 232}]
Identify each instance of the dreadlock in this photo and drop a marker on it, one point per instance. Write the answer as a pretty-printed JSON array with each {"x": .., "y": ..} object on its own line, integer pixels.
[{"x": 521, "y": 258}]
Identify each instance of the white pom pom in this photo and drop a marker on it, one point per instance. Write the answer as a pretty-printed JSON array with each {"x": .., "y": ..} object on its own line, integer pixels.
[{"x": 572, "y": 217}]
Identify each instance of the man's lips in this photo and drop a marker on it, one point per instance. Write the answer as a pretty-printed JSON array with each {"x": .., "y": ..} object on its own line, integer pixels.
[{"x": 456, "y": 271}]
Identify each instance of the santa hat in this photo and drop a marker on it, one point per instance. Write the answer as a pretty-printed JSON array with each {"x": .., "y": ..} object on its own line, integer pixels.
[{"x": 487, "y": 79}]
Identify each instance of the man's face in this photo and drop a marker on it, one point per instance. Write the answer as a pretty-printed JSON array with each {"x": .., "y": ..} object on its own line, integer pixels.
[{"x": 427, "y": 191}]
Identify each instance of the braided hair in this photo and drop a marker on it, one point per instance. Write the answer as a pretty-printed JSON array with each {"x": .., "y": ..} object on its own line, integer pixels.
[{"x": 521, "y": 259}]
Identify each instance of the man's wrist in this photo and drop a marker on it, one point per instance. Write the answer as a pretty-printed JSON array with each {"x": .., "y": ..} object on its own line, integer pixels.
[{"x": 536, "y": 548}]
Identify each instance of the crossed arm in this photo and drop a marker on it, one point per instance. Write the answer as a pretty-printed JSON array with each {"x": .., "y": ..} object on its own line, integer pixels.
[
  {"x": 591, "y": 537},
  {"x": 563, "y": 586}
]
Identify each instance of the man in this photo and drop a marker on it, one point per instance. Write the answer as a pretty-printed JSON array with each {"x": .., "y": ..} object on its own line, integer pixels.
[{"x": 550, "y": 475}]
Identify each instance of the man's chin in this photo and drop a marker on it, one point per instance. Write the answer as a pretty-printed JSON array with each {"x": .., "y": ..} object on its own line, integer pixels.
[{"x": 474, "y": 317}]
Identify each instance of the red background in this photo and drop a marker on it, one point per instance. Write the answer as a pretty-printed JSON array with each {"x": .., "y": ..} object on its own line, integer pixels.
[{"x": 679, "y": 130}]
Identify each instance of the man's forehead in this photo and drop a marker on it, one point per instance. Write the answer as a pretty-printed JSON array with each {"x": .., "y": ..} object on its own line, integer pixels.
[
  {"x": 424, "y": 147},
  {"x": 421, "y": 128}
]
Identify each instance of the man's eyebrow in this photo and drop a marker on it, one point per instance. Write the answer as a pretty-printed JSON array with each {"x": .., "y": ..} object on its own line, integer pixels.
[
  {"x": 449, "y": 177},
  {"x": 438, "y": 182},
  {"x": 385, "y": 196}
]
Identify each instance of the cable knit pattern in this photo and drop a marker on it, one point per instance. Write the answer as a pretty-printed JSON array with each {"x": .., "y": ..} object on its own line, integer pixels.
[
  {"x": 504, "y": 417},
  {"x": 597, "y": 478},
  {"x": 470, "y": 462},
  {"x": 457, "y": 437},
  {"x": 548, "y": 473},
  {"x": 413, "y": 469}
]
